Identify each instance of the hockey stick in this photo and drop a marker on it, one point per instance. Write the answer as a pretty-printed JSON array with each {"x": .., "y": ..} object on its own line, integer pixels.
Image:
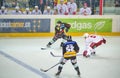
[
  {"x": 43, "y": 48},
  {"x": 55, "y": 55},
  {"x": 49, "y": 68},
  {"x": 62, "y": 56},
  {"x": 46, "y": 48}
]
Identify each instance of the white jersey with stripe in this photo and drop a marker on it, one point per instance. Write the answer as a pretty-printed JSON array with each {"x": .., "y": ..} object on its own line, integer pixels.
[
  {"x": 72, "y": 7},
  {"x": 62, "y": 9}
]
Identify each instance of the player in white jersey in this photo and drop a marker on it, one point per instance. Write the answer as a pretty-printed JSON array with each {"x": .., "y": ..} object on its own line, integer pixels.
[
  {"x": 3, "y": 11},
  {"x": 48, "y": 11},
  {"x": 72, "y": 7},
  {"x": 62, "y": 8},
  {"x": 16, "y": 11},
  {"x": 85, "y": 10},
  {"x": 36, "y": 11},
  {"x": 91, "y": 42},
  {"x": 27, "y": 12}
]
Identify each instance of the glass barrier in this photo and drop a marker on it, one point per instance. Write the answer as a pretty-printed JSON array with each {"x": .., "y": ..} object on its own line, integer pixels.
[{"x": 109, "y": 6}]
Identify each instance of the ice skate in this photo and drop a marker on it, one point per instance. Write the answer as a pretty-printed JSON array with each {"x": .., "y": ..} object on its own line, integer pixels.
[
  {"x": 87, "y": 56},
  {"x": 78, "y": 73},
  {"x": 48, "y": 45},
  {"x": 58, "y": 73},
  {"x": 93, "y": 53}
]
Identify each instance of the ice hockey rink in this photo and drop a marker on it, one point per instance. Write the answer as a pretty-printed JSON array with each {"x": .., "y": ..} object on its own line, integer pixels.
[{"x": 23, "y": 58}]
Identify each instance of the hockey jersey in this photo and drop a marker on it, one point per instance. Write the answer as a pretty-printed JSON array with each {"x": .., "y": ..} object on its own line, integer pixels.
[
  {"x": 70, "y": 49},
  {"x": 72, "y": 8},
  {"x": 92, "y": 39},
  {"x": 62, "y": 9}
]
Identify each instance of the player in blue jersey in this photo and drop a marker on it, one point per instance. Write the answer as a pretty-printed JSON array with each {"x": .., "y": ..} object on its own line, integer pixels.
[
  {"x": 60, "y": 32},
  {"x": 70, "y": 50}
]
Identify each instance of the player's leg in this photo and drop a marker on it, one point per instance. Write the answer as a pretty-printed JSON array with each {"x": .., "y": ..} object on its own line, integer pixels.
[
  {"x": 76, "y": 67},
  {"x": 87, "y": 53},
  {"x": 52, "y": 41},
  {"x": 95, "y": 45},
  {"x": 93, "y": 52},
  {"x": 60, "y": 67},
  {"x": 64, "y": 38},
  {"x": 63, "y": 41},
  {"x": 92, "y": 48}
]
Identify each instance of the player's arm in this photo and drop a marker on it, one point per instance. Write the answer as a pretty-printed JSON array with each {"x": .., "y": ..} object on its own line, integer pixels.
[
  {"x": 76, "y": 47},
  {"x": 57, "y": 29},
  {"x": 63, "y": 49},
  {"x": 67, "y": 27}
]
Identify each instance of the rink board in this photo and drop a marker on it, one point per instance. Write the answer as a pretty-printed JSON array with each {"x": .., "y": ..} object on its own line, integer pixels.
[
  {"x": 43, "y": 26},
  {"x": 52, "y": 34}
]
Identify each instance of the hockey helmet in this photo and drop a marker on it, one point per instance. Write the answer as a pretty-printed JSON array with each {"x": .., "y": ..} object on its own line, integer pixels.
[
  {"x": 59, "y": 22},
  {"x": 69, "y": 38},
  {"x": 85, "y": 35}
]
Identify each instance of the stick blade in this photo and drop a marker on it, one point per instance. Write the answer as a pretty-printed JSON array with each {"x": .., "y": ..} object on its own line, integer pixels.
[
  {"x": 55, "y": 55},
  {"x": 43, "y": 48},
  {"x": 43, "y": 70},
  {"x": 52, "y": 54}
]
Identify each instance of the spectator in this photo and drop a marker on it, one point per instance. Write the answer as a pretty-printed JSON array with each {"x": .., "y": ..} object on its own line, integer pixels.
[
  {"x": 36, "y": 11},
  {"x": 62, "y": 8},
  {"x": 85, "y": 10},
  {"x": 3, "y": 11},
  {"x": 117, "y": 7},
  {"x": 16, "y": 11},
  {"x": 1, "y": 3},
  {"x": 55, "y": 12},
  {"x": 48, "y": 11},
  {"x": 48, "y": 3},
  {"x": 27, "y": 12},
  {"x": 52, "y": 3},
  {"x": 55, "y": 4},
  {"x": 31, "y": 3},
  {"x": 14, "y": 4},
  {"x": 72, "y": 7},
  {"x": 42, "y": 4},
  {"x": 117, "y": 3}
]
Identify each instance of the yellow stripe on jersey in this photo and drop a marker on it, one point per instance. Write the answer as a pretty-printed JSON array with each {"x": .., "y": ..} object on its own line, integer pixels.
[{"x": 70, "y": 54}]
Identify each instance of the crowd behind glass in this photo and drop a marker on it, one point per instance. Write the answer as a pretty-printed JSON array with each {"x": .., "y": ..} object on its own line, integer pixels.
[{"x": 49, "y": 7}]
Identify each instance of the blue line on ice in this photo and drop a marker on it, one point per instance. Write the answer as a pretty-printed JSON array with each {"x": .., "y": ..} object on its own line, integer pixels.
[{"x": 38, "y": 72}]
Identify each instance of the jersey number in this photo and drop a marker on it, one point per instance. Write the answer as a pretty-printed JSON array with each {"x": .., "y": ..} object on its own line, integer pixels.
[{"x": 70, "y": 48}]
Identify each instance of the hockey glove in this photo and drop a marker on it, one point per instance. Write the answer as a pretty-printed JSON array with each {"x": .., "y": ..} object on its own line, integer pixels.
[{"x": 104, "y": 41}]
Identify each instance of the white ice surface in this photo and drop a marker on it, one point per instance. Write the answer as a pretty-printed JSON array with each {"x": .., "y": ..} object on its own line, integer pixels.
[{"x": 106, "y": 63}]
